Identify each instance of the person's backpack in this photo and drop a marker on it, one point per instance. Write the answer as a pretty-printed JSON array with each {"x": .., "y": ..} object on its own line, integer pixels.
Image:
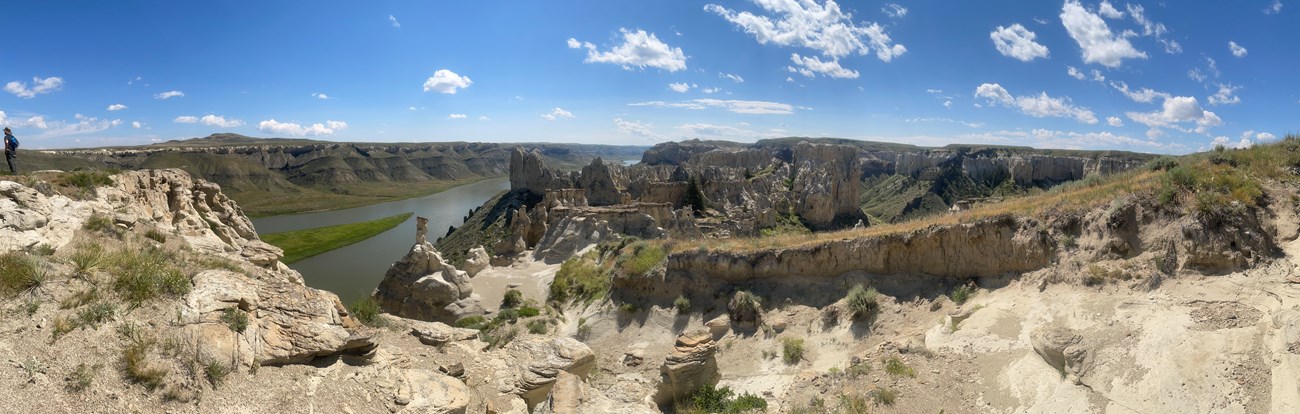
[{"x": 13, "y": 141}]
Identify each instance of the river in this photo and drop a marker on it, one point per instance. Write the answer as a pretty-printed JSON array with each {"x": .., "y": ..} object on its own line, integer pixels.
[{"x": 354, "y": 271}]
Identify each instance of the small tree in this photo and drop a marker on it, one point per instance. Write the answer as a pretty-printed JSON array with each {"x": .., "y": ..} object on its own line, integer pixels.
[{"x": 694, "y": 197}]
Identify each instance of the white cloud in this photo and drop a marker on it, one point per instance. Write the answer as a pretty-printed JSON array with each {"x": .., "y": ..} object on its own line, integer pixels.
[
  {"x": 84, "y": 125},
  {"x": 821, "y": 27},
  {"x": 297, "y": 130},
  {"x": 116, "y": 107},
  {"x": 639, "y": 49},
  {"x": 35, "y": 121},
  {"x": 136, "y": 124},
  {"x": 732, "y": 77},
  {"x": 1114, "y": 121},
  {"x": 1095, "y": 38},
  {"x": 39, "y": 86},
  {"x": 1109, "y": 11},
  {"x": 484, "y": 118},
  {"x": 1068, "y": 139},
  {"x": 1037, "y": 106},
  {"x": 945, "y": 120},
  {"x": 679, "y": 87},
  {"x": 947, "y": 104},
  {"x": 169, "y": 95},
  {"x": 319, "y": 95},
  {"x": 636, "y": 128},
  {"x": 133, "y": 81},
  {"x": 393, "y": 20},
  {"x": 711, "y": 91},
  {"x": 1171, "y": 46},
  {"x": 557, "y": 113},
  {"x": 446, "y": 81},
  {"x": 1274, "y": 8},
  {"x": 1176, "y": 111},
  {"x": 894, "y": 11},
  {"x": 1265, "y": 137},
  {"x": 1225, "y": 96},
  {"x": 811, "y": 66},
  {"x": 1236, "y": 49},
  {"x": 1017, "y": 42},
  {"x": 186, "y": 119},
  {"x": 220, "y": 121},
  {"x": 1097, "y": 76},
  {"x": 1074, "y": 73},
  {"x": 736, "y": 106},
  {"x": 1144, "y": 95},
  {"x": 456, "y": 116}
]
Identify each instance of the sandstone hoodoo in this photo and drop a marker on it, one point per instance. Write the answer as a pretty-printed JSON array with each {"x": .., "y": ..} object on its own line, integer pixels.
[{"x": 422, "y": 286}]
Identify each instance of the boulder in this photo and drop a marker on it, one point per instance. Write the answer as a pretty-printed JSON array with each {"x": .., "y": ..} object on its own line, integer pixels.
[
  {"x": 421, "y": 285},
  {"x": 690, "y": 365},
  {"x": 438, "y": 333},
  {"x": 571, "y": 396},
  {"x": 540, "y": 360},
  {"x": 476, "y": 261},
  {"x": 1062, "y": 349},
  {"x": 719, "y": 326},
  {"x": 422, "y": 391}
]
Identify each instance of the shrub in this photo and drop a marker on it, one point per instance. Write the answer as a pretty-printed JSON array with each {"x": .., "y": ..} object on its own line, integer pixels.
[
  {"x": 61, "y": 327},
  {"x": 235, "y": 319},
  {"x": 859, "y": 370},
  {"x": 1097, "y": 275},
  {"x": 366, "y": 310},
  {"x": 537, "y": 326},
  {"x": 628, "y": 307},
  {"x": 791, "y": 350},
  {"x": 745, "y": 307},
  {"x": 682, "y": 304},
  {"x": 81, "y": 377},
  {"x": 862, "y": 302},
  {"x": 20, "y": 272},
  {"x": 855, "y": 404},
  {"x": 579, "y": 279},
  {"x": 507, "y": 315},
  {"x": 883, "y": 396},
  {"x": 98, "y": 222},
  {"x": 708, "y": 399},
  {"x": 137, "y": 369},
  {"x": 584, "y": 330},
  {"x": 961, "y": 294},
  {"x": 1183, "y": 176},
  {"x": 471, "y": 322},
  {"x": 43, "y": 249},
  {"x": 87, "y": 256},
  {"x": 497, "y": 338},
  {"x": 215, "y": 372},
  {"x": 96, "y": 314},
  {"x": 87, "y": 180},
  {"x": 155, "y": 235},
  {"x": 895, "y": 366},
  {"x": 1162, "y": 163},
  {"x": 528, "y": 311},
  {"x": 513, "y": 298}
]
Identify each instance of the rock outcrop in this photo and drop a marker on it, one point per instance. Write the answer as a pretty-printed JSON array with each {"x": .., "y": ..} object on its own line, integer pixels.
[
  {"x": 598, "y": 181},
  {"x": 422, "y": 286},
  {"x": 538, "y": 362},
  {"x": 690, "y": 365},
  {"x": 528, "y": 171},
  {"x": 422, "y": 391},
  {"x": 477, "y": 261}
]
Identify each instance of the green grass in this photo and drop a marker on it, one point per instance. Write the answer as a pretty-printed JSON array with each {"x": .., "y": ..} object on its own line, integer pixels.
[
  {"x": 142, "y": 273},
  {"x": 87, "y": 180},
  {"x": 961, "y": 294},
  {"x": 682, "y": 304},
  {"x": 579, "y": 279},
  {"x": 708, "y": 399},
  {"x": 896, "y": 367},
  {"x": 20, "y": 272},
  {"x": 512, "y": 299},
  {"x": 791, "y": 350},
  {"x": 641, "y": 257},
  {"x": 235, "y": 319},
  {"x": 301, "y": 244},
  {"x": 366, "y": 310}
]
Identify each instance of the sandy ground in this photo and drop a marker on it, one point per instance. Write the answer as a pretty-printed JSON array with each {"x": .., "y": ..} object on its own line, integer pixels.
[{"x": 530, "y": 277}]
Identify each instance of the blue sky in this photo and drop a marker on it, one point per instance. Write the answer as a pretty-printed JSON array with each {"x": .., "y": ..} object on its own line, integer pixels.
[{"x": 1148, "y": 76}]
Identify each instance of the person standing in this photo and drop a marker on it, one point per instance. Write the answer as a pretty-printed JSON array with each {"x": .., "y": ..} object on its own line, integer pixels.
[{"x": 11, "y": 150}]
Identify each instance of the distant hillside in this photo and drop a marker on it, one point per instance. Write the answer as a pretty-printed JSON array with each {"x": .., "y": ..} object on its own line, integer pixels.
[{"x": 270, "y": 176}]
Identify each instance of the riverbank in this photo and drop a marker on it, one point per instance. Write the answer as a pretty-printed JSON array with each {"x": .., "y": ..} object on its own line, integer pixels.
[
  {"x": 301, "y": 244},
  {"x": 269, "y": 203}
]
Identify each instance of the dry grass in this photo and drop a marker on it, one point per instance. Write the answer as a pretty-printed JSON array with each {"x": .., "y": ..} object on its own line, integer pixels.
[{"x": 1082, "y": 195}]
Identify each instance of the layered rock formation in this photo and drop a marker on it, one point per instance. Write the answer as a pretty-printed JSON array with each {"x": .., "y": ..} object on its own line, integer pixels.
[
  {"x": 690, "y": 365},
  {"x": 421, "y": 285}
]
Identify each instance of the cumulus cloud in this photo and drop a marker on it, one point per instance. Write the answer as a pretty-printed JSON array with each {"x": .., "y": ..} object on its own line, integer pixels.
[
  {"x": 894, "y": 11},
  {"x": 732, "y": 77},
  {"x": 636, "y": 128},
  {"x": 484, "y": 118},
  {"x": 456, "y": 116},
  {"x": 1017, "y": 42},
  {"x": 557, "y": 113},
  {"x": 298, "y": 130},
  {"x": 1099, "y": 44},
  {"x": 39, "y": 86},
  {"x": 736, "y": 106},
  {"x": 1180, "y": 112},
  {"x": 811, "y": 66},
  {"x": 1069, "y": 139},
  {"x": 679, "y": 87},
  {"x": 1227, "y": 95},
  {"x": 116, "y": 107},
  {"x": 84, "y": 125},
  {"x": 711, "y": 91},
  {"x": 169, "y": 95},
  {"x": 821, "y": 27},
  {"x": 639, "y": 49},
  {"x": 1108, "y": 11},
  {"x": 1036, "y": 106},
  {"x": 319, "y": 95},
  {"x": 220, "y": 121},
  {"x": 446, "y": 81},
  {"x": 1143, "y": 95},
  {"x": 1114, "y": 121},
  {"x": 35, "y": 121},
  {"x": 136, "y": 124},
  {"x": 1236, "y": 49},
  {"x": 186, "y": 119},
  {"x": 393, "y": 20},
  {"x": 1074, "y": 73}
]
